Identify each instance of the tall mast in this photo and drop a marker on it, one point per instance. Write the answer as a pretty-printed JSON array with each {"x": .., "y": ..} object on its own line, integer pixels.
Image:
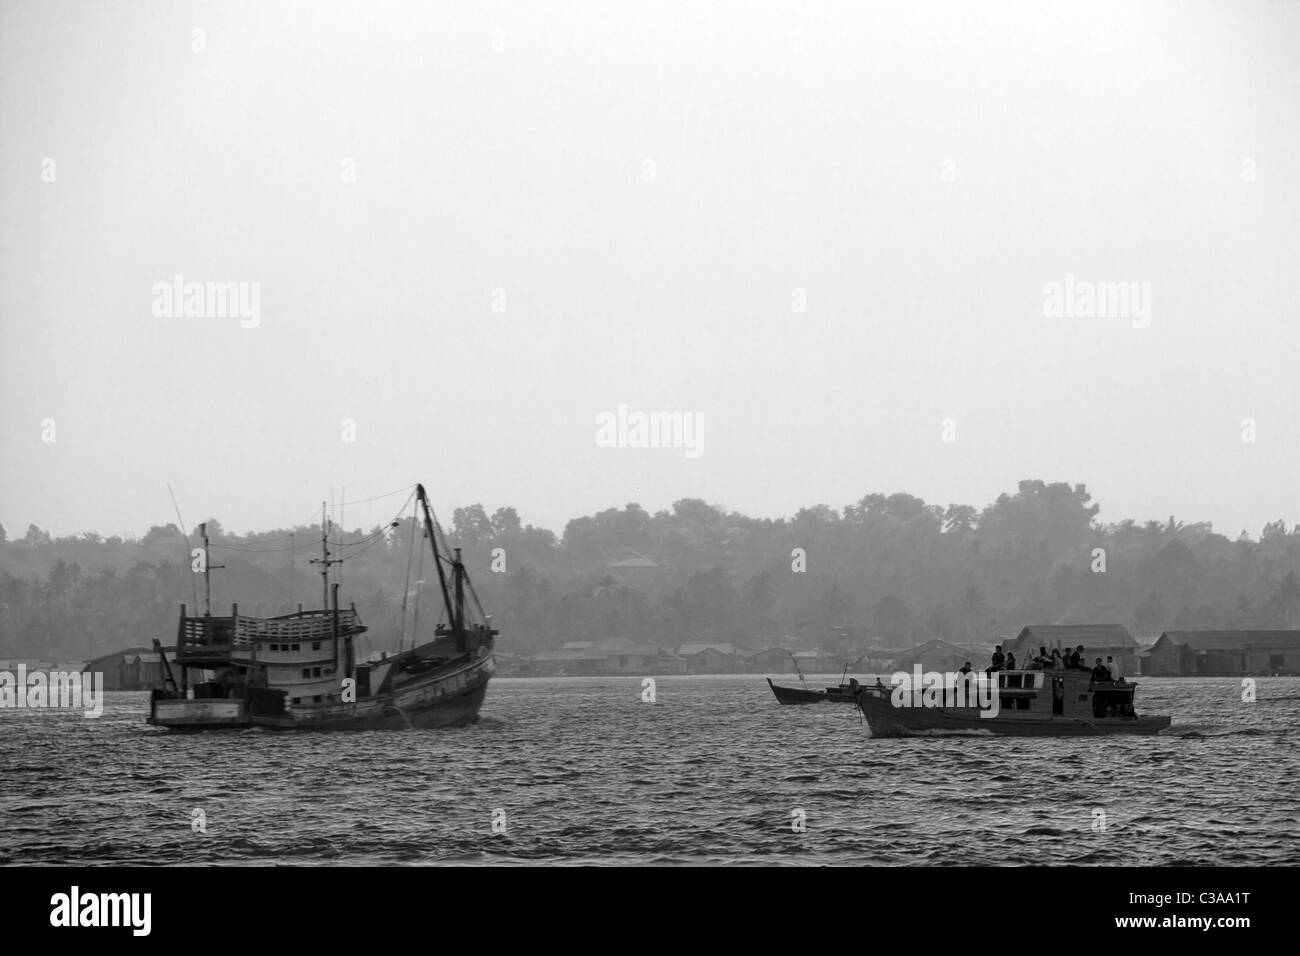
[
  {"x": 437, "y": 558},
  {"x": 459, "y": 570},
  {"x": 207, "y": 567},
  {"x": 324, "y": 560}
]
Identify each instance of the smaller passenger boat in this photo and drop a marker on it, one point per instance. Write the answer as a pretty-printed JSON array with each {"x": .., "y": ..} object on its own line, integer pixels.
[{"x": 1031, "y": 703}]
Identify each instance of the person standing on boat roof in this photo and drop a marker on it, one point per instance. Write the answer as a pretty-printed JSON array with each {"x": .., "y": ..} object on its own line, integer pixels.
[
  {"x": 997, "y": 662},
  {"x": 1112, "y": 667},
  {"x": 1011, "y": 661}
]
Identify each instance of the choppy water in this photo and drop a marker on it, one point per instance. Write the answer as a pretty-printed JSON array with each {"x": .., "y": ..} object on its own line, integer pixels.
[{"x": 713, "y": 771}]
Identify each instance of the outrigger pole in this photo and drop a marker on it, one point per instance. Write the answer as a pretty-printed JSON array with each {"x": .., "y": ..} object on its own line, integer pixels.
[{"x": 162, "y": 656}]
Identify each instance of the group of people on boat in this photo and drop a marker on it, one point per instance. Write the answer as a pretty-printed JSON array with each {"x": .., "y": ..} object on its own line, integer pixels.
[{"x": 1056, "y": 660}]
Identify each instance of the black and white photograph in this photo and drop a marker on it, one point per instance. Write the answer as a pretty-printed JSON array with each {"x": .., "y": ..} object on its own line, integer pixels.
[{"x": 645, "y": 435}]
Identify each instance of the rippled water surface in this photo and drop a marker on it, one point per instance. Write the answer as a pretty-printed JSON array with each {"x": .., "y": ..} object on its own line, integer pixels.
[{"x": 713, "y": 771}]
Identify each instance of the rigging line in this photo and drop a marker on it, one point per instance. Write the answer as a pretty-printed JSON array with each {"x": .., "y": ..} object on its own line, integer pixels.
[
  {"x": 415, "y": 618},
  {"x": 378, "y": 533},
  {"x": 357, "y": 554},
  {"x": 194, "y": 585},
  {"x": 362, "y": 501},
  {"x": 373, "y": 537},
  {"x": 231, "y": 547},
  {"x": 288, "y": 534},
  {"x": 406, "y": 589}
]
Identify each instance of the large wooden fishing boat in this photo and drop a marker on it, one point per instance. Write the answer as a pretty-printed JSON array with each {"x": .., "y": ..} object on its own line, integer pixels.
[
  {"x": 299, "y": 670},
  {"x": 1048, "y": 703}
]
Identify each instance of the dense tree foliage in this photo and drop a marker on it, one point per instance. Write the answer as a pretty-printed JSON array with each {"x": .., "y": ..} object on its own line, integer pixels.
[{"x": 888, "y": 570}]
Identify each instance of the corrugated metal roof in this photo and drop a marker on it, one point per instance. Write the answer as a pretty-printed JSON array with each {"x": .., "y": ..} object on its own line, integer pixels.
[
  {"x": 686, "y": 650},
  {"x": 1071, "y": 635},
  {"x": 1222, "y": 640}
]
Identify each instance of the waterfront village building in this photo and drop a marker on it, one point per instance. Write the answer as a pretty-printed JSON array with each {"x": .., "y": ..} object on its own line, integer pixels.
[
  {"x": 714, "y": 658},
  {"x": 1213, "y": 653},
  {"x": 1098, "y": 640},
  {"x": 818, "y": 662},
  {"x": 136, "y": 668},
  {"x": 941, "y": 656},
  {"x": 593, "y": 658}
]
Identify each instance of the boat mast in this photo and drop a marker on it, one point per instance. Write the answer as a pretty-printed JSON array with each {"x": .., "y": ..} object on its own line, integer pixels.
[
  {"x": 437, "y": 558},
  {"x": 207, "y": 566},
  {"x": 324, "y": 560},
  {"x": 459, "y": 570}
]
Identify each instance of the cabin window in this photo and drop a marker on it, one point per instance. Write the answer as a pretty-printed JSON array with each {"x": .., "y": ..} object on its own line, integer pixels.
[
  {"x": 1276, "y": 662},
  {"x": 329, "y": 671},
  {"x": 315, "y": 672},
  {"x": 1082, "y": 698},
  {"x": 1006, "y": 703},
  {"x": 297, "y": 700},
  {"x": 306, "y": 672},
  {"x": 296, "y": 647},
  {"x": 1022, "y": 703},
  {"x": 316, "y": 699},
  {"x": 315, "y": 645}
]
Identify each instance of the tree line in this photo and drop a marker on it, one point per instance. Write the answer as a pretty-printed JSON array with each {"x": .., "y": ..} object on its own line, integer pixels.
[{"x": 887, "y": 570}]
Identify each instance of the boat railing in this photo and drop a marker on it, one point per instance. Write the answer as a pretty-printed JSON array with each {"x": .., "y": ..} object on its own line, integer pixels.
[
  {"x": 212, "y": 639},
  {"x": 304, "y": 628}
]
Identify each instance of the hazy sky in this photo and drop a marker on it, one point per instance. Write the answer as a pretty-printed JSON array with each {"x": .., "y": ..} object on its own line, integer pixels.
[{"x": 476, "y": 227}]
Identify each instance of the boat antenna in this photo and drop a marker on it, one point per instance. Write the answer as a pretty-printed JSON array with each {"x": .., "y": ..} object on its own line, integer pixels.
[
  {"x": 194, "y": 587},
  {"x": 325, "y": 561}
]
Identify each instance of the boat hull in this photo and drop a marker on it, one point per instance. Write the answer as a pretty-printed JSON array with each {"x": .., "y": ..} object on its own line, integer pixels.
[
  {"x": 800, "y": 695},
  {"x": 796, "y": 695},
  {"x": 886, "y": 720},
  {"x": 450, "y": 699}
]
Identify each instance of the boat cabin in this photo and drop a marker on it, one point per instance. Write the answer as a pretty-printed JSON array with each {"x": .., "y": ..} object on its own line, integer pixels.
[{"x": 1062, "y": 693}]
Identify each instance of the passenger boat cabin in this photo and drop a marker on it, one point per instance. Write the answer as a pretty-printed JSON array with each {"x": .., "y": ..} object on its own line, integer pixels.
[{"x": 1063, "y": 693}]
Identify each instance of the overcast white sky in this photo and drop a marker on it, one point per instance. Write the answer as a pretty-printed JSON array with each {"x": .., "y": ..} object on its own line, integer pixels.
[{"x": 921, "y": 170}]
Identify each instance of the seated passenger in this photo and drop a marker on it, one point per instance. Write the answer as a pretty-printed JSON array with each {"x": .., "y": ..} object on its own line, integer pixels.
[
  {"x": 1011, "y": 662},
  {"x": 997, "y": 662},
  {"x": 965, "y": 668},
  {"x": 1079, "y": 660},
  {"x": 1057, "y": 663}
]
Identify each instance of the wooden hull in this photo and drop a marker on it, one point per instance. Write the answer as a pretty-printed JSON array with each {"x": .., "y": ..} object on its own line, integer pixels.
[
  {"x": 886, "y": 720},
  {"x": 796, "y": 695},
  {"x": 799, "y": 695},
  {"x": 449, "y": 698}
]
